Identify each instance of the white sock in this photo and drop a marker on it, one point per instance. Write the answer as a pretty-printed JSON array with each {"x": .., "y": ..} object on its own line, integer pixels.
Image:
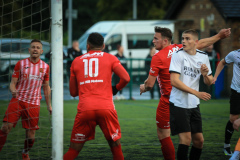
[{"x": 226, "y": 145}]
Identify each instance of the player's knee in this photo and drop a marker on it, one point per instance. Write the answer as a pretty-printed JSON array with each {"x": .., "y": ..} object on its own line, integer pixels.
[
  {"x": 198, "y": 142},
  {"x": 6, "y": 128},
  {"x": 31, "y": 134},
  {"x": 233, "y": 118}
]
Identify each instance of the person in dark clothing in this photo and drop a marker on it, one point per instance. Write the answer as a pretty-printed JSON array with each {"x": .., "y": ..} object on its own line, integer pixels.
[
  {"x": 121, "y": 58},
  {"x": 147, "y": 67},
  {"x": 72, "y": 53}
]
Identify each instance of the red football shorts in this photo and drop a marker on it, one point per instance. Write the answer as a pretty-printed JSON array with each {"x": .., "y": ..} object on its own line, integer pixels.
[
  {"x": 28, "y": 112},
  {"x": 162, "y": 115},
  {"x": 85, "y": 124}
]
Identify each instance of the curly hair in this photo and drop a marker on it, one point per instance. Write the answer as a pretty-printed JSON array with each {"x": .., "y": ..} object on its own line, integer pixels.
[{"x": 95, "y": 40}]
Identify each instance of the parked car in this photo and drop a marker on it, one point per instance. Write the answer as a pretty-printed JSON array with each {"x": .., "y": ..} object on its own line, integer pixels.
[{"x": 12, "y": 50}]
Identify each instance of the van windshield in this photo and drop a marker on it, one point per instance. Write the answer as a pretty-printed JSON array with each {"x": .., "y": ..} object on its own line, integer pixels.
[{"x": 83, "y": 40}]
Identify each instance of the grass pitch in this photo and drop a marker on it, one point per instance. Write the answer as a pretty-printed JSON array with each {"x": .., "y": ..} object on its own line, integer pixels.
[{"x": 139, "y": 135}]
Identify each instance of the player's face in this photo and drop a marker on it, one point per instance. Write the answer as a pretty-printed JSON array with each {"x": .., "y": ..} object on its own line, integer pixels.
[
  {"x": 158, "y": 41},
  {"x": 189, "y": 42},
  {"x": 35, "y": 50}
]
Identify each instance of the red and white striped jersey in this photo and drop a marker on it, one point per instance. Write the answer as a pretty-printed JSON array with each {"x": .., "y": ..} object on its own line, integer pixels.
[{"x": 30, "y": 78}]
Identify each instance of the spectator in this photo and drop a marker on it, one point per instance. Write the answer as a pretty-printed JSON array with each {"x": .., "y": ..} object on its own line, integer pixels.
[
  {"x": 121, "y": 58},
  {"x": 72, "y": 53},
  {"x": 147, "y": 67},
  {"x": 96, "y": 92},
  {"x": 28, "y": 77},
  {"x": 212, "y": 54}
]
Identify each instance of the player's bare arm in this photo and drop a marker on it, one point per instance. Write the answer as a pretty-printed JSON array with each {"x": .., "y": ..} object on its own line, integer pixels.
[
  {"x": 12, "y": 87},
  {"x": 206, "y": 78},
  {"x": 223, "y": 33},
  {"x": 176, "y": 82},
  {"x": 73, "y": 86},
  {"x": 148, "y": 84},
  {"x": 47, "y": 94},
  {"x": 218, "y": 70}
]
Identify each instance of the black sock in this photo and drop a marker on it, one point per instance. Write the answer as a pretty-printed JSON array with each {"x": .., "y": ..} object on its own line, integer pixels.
[
  {"x": 195, "y": 153},
  {"x": 182, "y": 152},
  {"x": 228, "y": 132}
]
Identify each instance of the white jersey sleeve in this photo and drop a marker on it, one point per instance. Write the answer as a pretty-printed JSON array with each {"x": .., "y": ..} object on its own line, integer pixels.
[
  {"x": 176, "y": 62},
  {"x": 230, "y": 57}
]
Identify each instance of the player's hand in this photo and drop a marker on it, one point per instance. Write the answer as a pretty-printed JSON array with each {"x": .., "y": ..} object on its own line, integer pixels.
[
  {"x": 214, "y": 80},
  {"x": 224, "y": 33},
  {"x": 204, "y": 96},
  {"x": 114, "y": 90},
  {"x": 49, "y": 108},
  {"x": 14, "y": 93},
  {"x": 142, "y": 89},
  {"x": 204, "y": 70},
  {"x": 236, "y": 124}
]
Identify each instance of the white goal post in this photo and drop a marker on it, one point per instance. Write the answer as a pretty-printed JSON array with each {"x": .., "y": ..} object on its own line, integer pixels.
[{"x": 57, "y": 79}]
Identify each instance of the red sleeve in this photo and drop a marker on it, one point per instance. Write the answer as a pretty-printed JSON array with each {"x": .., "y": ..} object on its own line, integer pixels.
[
  {"x": 155, "y": 65},
  {"x": 46, "y": 78},
  {"x": 123, "y": 75},
  {"x": 116, "y": 62},
  {"x": 16, "y": 71},
  {"x": 73, "y": 85}
]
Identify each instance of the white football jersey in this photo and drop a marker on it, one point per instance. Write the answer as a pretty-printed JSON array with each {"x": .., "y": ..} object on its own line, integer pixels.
[
  {"x": 188, "y": 66},
  {"x": 234, "y": 57}
]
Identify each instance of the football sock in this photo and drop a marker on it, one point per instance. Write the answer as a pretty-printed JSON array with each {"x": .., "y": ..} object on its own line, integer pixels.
[
  {"x": 195, "y": 153},
  {"x": 182, "y": 152},
  {"x": 28, "y": 143},
  {"x": 117, "y": 152},
  {"x": 3, "y": 138},
  {"x": 237, "y": 148},
  {"x": 228, "y": 132},
  {"x": 71, "y": 154},
  {"x": 168, "y": 149}
]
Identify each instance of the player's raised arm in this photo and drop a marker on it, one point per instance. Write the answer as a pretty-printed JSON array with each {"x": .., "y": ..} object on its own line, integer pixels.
[
  {"x": 124, "y": 78},
  {"x": 218, "y": 70},
  {"x": 223, "y": 33}
]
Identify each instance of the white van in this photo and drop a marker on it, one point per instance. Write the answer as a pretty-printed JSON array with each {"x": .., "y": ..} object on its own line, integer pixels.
[{"x": 135, "y": 36}]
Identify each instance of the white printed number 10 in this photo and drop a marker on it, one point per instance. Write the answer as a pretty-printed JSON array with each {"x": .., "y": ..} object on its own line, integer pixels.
[{"x": 88, "y": 68}]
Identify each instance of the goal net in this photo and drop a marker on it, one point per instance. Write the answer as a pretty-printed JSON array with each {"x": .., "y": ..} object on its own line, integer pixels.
[{"x": 20, "y": 22}]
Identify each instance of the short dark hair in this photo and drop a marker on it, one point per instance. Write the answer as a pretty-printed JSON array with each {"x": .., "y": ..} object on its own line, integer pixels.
[
  {"x": 36, "y": 40},
  {"x": 165, "y": 32},
  {"x": 95, "y": 40},
  {"x": 192, "y": 32}
]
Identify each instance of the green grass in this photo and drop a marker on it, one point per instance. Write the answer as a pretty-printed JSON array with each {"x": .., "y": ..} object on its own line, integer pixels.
[{"x": 139, "y": 136}]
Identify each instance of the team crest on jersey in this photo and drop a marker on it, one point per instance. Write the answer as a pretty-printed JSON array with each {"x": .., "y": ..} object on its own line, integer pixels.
[
  {"x": 199, "y": 64},
  {"x": 41, "y": 70}
]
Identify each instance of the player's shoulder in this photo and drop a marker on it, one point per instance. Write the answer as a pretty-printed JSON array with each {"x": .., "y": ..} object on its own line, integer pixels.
[
  {"x": 235, "y": 51},
  {"x": 201, "y": 52},
  {"x": 179, "y": 51}
]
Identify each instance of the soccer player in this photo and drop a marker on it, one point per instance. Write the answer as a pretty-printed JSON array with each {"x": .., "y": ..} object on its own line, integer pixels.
[
  {"x": 91, "y": 79},
  {"x": 236, "y": 154},
  {"x": 28, "y": 77},
  {"x": 232, "y": 57},
  {"x": 160, "y": 69},
  {"x": 186, "y": 67}
]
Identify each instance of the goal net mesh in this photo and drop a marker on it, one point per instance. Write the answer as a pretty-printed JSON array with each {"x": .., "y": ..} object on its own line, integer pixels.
[{"x": 20, "y": 22}]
